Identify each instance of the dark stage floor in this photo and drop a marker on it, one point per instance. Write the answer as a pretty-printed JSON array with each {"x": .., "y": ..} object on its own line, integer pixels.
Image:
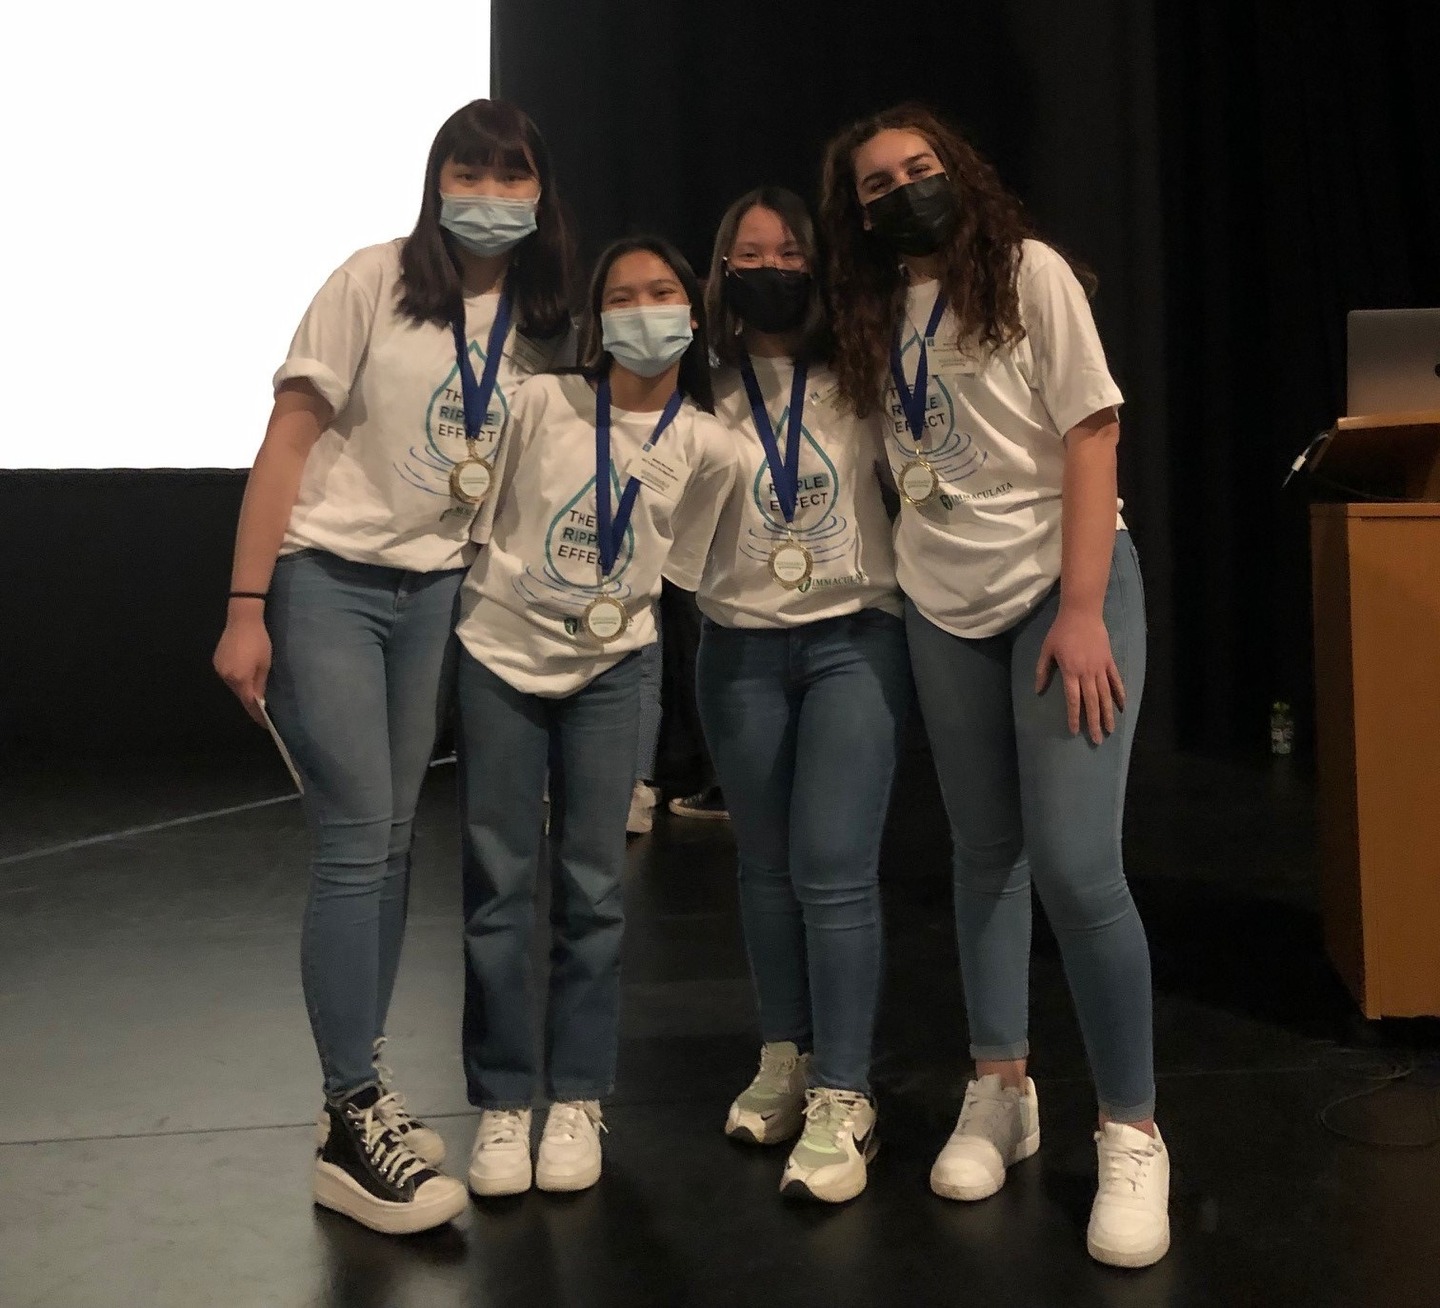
[{"x": 159, "y": 1083}]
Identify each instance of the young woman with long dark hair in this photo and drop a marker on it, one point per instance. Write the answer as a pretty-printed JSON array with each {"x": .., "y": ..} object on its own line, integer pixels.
[
  {"x": 803, "y": 686},
  {"x": 1025, "y": 615},
  {"x": 353, "y": 539},
  {"x": 610, "y": 477}
]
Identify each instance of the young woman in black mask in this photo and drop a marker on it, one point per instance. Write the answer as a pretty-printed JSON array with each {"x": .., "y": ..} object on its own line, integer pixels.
[
  {"x": 1026, "y": 619},
  {"x": 803, "y": 683}
]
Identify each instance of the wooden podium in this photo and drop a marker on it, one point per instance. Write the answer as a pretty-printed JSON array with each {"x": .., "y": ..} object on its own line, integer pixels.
[{"x": 1376, "y": 571}]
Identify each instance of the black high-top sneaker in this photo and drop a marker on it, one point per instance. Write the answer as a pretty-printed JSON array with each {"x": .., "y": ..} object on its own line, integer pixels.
[
  {"x": 391, "y": 1110},
  {"x": 365, "y": 1170}
]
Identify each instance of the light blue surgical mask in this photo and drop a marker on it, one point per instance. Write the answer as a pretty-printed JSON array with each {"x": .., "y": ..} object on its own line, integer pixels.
[
  {"x": 487, "y": 225},
  {"x": 648, "y": 339}
]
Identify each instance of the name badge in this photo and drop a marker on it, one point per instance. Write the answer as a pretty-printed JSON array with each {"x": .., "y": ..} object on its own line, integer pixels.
[
  {"x": 946, "y": 356},
  {"x": 659, "y": 470}
]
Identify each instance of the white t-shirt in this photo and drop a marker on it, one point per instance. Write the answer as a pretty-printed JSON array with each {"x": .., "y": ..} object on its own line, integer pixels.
[
  {"x": 981, "y": 554},
  {"x": 839, "y": 515},
  {"x": 522, "y": 604},
  {"x": 376, "y": 486}
]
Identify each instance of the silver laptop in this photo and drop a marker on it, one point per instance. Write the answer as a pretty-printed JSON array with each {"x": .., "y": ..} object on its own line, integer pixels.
[{"x": 1392, "y": 361}]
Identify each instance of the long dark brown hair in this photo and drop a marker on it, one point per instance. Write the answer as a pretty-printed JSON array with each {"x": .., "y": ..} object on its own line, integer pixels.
[
  {"x": 491, "y": 134},
  {"x": 694, "y": 380},
  {"x": 978, "y": 265},
  {"x": 815, "y": 342}
]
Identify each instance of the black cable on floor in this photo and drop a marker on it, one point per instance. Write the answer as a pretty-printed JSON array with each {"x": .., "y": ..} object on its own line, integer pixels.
[{"x": 1384, "y": 1076}]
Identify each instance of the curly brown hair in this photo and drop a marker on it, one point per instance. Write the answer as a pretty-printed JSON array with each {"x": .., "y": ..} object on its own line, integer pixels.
[{"x": 979, "y": 262}]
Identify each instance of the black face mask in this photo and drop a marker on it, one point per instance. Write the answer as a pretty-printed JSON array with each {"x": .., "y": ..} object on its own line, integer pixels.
[
  {"x": 768, "y": 299},
  {"x": 917, "y": 218}
]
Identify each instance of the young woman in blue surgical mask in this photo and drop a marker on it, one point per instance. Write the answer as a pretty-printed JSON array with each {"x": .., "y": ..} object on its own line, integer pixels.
[
  {"x": 610, "y": 477},
  {"x": 353, "y": 539},
  {"x": 803, "y": 686},
  {"x": 1026, "y": 620}
]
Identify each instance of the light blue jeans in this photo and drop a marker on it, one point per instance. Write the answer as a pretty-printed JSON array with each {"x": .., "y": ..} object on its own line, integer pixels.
[
  {"x": 362, "y": 672},
  {"x": 507, "y": 739},
  {"x": 804, "y": 724},
  {"x": 1027, "y": 800}
]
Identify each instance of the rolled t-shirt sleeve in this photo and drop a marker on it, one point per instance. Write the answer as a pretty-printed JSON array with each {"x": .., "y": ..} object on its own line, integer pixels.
[
  {"x": 332, "y": 338},
  {"x": 1070, "y": 373},
  {"x": 698, "y": 513}
]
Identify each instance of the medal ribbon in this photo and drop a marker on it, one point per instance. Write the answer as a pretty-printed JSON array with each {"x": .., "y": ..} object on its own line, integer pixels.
[
  {"x": 478, "y": 394},
  {"x": 611, "y": 531},
  {"x": 784, "y": 473},
  {"x": 913, "y": 402}
]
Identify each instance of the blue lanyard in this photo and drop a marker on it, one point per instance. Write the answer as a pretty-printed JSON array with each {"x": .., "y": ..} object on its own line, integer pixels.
[
  {"x": 478, "y": 394},
  {"x": 913, "y": 402},
  {"x": 612, "y": 532},
  {"x": 784, "y": 473}
]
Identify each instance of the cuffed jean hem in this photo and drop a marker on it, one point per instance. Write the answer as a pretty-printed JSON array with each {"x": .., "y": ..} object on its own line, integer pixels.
[{"x": 1001, "y": 1053}]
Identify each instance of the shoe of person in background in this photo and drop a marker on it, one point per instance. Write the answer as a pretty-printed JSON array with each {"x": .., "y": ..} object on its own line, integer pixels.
[
  {"x": 642, "y": 809},
  {"x": 708, "y": 803}
]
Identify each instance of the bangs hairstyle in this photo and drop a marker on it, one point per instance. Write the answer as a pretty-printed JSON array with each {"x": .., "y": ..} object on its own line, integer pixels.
[
  {"x": 815, "y": 341},
  {"x": 979, "y": 263},
  {"x": 491, "y": 134},
  {"x": 694, "y": 380}
]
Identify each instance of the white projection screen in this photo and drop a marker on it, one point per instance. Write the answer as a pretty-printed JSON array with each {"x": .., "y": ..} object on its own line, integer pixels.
[{"x": 180, "y": 179}]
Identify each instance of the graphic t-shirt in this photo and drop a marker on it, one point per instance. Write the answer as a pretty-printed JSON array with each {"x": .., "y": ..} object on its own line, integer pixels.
[
  {"x": 978, "y": 556},
  {"x": 839, "y": 515},
  {"x": 376, "y": 486},
  {"x": 522, "y": 606}
]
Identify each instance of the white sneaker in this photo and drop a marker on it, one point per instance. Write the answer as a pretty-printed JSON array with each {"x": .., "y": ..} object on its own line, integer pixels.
[
  {"x": 569, "y": 1156},
  {"x": 772, "y": 1107},
  {"x": 829, "y": 1161},
  {"x": 997, "y": 1127},
  {"x": 1130, "y": 1221},
  {"x": 642, "y": 809},
  {"x": 500, "y": 1158}
]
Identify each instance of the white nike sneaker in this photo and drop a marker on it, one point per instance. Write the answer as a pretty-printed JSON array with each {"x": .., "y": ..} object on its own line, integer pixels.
[
  {"x": 772, "y": 1107},
  {"x": 569, "y": 1154},
  {"x": 1130, "y": 1220},
  {"x": 997, "y": 1127},
  {"x": 829, "y": 1160},
  {"x": 500, "y": 1158}
]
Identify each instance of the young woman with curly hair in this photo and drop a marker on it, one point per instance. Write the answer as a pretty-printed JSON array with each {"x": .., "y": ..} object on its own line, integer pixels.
[{"x": 975, "y": 342}]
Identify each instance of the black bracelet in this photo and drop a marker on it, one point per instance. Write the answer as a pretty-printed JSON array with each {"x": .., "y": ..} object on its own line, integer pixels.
[{"x": 249, "y": 594}]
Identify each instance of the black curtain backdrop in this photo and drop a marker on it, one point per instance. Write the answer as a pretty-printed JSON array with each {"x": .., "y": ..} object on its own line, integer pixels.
[
  {"x": 1302, "y": 179},
  {"x": 1239, "y": 174}
]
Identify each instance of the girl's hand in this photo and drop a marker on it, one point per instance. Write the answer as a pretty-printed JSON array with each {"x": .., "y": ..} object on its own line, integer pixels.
[
  {"x": 242, "y": 658},
  {"x": 1079, "y": 646}
]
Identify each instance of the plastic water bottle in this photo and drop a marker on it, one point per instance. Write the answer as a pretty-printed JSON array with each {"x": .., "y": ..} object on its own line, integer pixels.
[{"x": 1282, "y": 728}]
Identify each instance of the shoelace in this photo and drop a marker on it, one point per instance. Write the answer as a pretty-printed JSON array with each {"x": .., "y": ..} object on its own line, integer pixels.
[
  {"x": 980, "y": 1114},
  {"x": 390, "y": 1108},
  {"x": 564, "y": 1121},
  {"x": 828, "y": 1112},
  {"x": 775, "y": 1070},
  {"x": 503, "y": 1127},
  {"x": 389, "y": 1154},
  {"x": 1126, "y": 1166}
]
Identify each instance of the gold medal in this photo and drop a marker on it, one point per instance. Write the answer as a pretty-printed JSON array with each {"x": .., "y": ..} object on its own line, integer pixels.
[
  {"x": 918, "y": 482},
  {"x": 791, "y": 564},
  {"x": 604, "y": 619},
  {"x": 470, "y": 480}
]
